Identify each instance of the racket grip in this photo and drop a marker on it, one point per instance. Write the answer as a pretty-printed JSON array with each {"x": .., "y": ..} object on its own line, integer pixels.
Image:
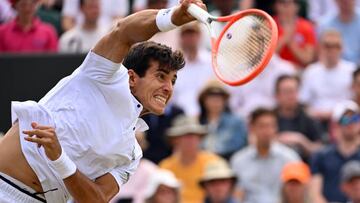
[{"x": 198, "y": 13}]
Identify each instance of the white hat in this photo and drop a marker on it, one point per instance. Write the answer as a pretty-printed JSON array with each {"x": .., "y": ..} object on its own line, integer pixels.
[
  {"x": 183, "y": 125},
  {"x": 160, "y": 177},
  {"x": 342, "y": 107}
]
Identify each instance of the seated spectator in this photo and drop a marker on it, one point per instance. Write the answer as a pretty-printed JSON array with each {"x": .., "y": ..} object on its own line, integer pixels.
[
  {"x": 82, "y": 38},
  {"x": 296, "y": 35},
  {"x": 258, "y": 167},
  {"x": 227, "y": 133},
  {"x": 296, "y": 178},
  {"x": 188, "y": 162},
  {"x": 218, "y": 182},
  {"x": 327, "y": 81},
  {"x": 163, "y": 187},
  {"x": 347, "y": 22},
  {"x": 260, "y": 91},
  {"x": 197, "y": 70},
  {"x": 27, "y": 33},
  {"x": 350, "y": 181},
  {"x": 296, "y": 128},
  {"x": 110, "y": 10},
  {"x": 159, "y": 148},
  {"x": 327, "y": 163},
  {"x": 356, "y": 86}
]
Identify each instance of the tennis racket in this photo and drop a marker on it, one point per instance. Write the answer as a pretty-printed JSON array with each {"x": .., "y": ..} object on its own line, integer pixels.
[{"x": 244, "y": 46}]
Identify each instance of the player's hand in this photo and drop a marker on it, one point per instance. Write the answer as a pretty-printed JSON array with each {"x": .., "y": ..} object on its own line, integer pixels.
[
  {"x": 45, "y": 136},
  {"x": 181, "y": 16}
]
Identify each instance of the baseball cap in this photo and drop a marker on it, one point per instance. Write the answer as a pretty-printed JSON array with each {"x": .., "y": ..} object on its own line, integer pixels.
[
  {"x": 160, "y": 177},
  {"x": 350, "y": 170},
  {"x": 343, "y": 107},
  {"x": 296, "y": 171}
]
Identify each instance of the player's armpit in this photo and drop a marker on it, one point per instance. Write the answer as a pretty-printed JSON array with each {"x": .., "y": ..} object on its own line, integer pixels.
[{"x": 82, "y": 189}]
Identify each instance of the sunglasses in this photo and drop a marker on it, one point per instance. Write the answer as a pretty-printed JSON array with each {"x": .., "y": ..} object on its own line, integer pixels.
[
  {"x": 347, "y": 120},
  {"x": 329, "y": 45}
]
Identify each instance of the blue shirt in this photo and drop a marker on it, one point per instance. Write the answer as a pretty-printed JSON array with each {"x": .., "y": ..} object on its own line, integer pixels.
[
  {"x": 328, "y": 162},
  {"x": 350, "y": 35}
]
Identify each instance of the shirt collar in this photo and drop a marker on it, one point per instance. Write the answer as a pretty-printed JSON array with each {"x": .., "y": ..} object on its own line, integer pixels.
[{"x": 34, "y": 25}]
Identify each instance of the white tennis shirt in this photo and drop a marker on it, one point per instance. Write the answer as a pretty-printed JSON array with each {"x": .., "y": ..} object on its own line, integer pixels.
[{"x": 95, "y": 117}]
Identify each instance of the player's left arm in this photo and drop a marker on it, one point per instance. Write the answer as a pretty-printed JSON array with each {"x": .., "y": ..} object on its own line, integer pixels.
[{"x": 81, "y": 188}]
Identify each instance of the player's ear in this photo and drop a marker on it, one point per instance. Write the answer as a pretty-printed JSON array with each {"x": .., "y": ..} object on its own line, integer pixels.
[{"x": 132, "y": 78}]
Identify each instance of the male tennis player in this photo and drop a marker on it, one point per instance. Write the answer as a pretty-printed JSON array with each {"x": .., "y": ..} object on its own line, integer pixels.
[{"x": 85, "y": 146}]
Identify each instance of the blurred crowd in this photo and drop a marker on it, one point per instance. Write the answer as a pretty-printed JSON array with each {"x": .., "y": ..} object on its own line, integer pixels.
[{"x": 291, "y": 135}]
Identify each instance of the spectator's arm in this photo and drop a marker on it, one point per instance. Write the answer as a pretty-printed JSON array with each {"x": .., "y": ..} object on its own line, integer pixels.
[{"x": 316, "y": 189}]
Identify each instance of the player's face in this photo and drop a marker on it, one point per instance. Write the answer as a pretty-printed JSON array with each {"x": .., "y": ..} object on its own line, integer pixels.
[{"x": 155, "y": 89}]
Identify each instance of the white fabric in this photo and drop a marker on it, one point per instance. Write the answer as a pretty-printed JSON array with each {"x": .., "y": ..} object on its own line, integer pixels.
[
  {"x": 322, "y": 88},
  {"x": 109, "y": 10},
  {"x": 191, "y": 79},
  {"x": 6, "y": 12},
  {"x": 9, "y": 194},
  {"x": 260, "y": 91},
  {"x": 95, "y": 117},
  {"x": 78, "y": 40}
]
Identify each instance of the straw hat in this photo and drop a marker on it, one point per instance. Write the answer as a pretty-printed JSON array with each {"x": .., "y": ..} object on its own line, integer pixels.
[
  {"x": 217, "y": 170},
  {"x": 296, "y": 171},
  {"x": 183, "y": 125},
  {"x": 160, "y": 177},
  {"x": 213, "y": 87}
]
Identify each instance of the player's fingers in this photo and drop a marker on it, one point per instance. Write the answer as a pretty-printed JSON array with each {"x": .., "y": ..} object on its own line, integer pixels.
[
  {"x": 39, "y": 141},
  {"x": 41, "y": 127},
  {"x": 38, "y": 133}
]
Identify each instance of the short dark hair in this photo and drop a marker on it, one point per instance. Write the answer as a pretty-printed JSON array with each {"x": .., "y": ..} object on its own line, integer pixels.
[
  {"x": 356, "y": 73},
  {"x": 281, "y": 78},
  {"x": 140, "y": 55},
  {"x": 259, "y": 112}
]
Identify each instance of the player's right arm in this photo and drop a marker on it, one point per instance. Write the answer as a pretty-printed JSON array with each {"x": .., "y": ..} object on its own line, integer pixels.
[{"x": 138, "y": 27}]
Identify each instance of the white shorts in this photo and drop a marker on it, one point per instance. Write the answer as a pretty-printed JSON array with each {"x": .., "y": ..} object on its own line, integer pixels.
[{"x": 13, "y": 191}]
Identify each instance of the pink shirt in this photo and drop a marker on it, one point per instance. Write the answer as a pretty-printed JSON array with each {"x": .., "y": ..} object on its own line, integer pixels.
[{"x": 40, "y": 38}]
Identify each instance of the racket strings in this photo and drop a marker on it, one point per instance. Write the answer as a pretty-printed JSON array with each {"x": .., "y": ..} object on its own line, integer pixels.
[{"x": 243, "y": 47}]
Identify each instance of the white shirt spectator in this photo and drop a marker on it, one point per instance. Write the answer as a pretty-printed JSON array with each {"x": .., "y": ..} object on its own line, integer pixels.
[
  {"x": 95, "y": 118},
  {"x": 323, "y": 87},
  {"x": 191, "y": 80},
  {"x": 260, "y": 91},
  {"x": 259, "y": 177},
  {"x": 109, "y": 10},
  {"x": 79, "y": 40}
]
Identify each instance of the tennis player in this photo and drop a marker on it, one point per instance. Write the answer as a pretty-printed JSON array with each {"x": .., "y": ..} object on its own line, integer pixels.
[{"x": 78, "y": 141}]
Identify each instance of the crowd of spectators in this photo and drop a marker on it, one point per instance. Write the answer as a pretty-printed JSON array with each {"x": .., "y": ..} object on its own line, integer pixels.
[{"x": 291, "y": 135}]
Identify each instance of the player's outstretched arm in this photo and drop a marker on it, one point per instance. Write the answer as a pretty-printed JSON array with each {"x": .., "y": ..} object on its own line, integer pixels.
[{"x": 138, "y": 27}]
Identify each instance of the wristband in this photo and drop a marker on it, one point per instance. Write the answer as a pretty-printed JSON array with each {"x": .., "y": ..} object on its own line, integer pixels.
[
  {"x": 163, "y": 19},
  {"x": 64, "y": 166}
]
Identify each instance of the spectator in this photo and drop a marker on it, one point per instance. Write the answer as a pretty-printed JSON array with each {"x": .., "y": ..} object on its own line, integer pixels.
[
  {"x": 218, "y": 182},
  {"x": 197, "y": 71},
  {"x": 326, "y": 164},
  {"x": 159, "y": 148},
  {"x": 163, "y": 187},
  {"x": 350, "y": 181},
  {"x": 260, "y": 91},
  {"x": 327, "y": 81},
  {"x": 50, "y": 12},
  {"x": 188, "y": 162},
  {"x": 258, "y": 167},
  {"x": 27, "y": 33},
  {"x": 296, "y": 177},
  {"x": 347, "y": 22},
  {"x": 227, "y": 133},
  {"x": 110, "y": 10},
  {"x": 296, "y": 35},
  {"x": 82, "y": 38},
  {"x": 296, "y": 128},
  {"x": 356, "y": 86}
]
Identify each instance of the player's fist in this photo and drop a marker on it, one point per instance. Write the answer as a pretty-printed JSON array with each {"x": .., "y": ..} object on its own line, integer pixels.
[{"x": 181, "y": 16}]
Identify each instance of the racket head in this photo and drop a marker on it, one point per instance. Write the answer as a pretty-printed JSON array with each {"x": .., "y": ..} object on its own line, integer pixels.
[{"x": 244, "y": 47}]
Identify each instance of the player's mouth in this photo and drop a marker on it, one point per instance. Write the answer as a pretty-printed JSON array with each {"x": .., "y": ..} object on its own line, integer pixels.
[{"x": 160, "y": 99}]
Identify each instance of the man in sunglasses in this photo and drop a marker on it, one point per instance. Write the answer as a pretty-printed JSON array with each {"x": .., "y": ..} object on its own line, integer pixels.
[{"x": 327, "y": 163}]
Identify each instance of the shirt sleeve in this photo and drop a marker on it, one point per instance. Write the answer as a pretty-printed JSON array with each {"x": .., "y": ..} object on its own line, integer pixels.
[
  {"x": 123, "y": 173},
  {"x": 315, "y": 163}
]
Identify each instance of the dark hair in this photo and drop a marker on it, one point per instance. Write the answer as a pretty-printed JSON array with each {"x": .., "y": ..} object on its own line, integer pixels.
[
  {"x": 356, "y": 73},
  {"x": 140, "y": 55},
  {"x": 281, "y": 78},
  {"x": 259, "y": 112}
]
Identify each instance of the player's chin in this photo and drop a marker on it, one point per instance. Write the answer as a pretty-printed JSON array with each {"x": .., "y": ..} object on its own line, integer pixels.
[{"x": 158, "y": 110}]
